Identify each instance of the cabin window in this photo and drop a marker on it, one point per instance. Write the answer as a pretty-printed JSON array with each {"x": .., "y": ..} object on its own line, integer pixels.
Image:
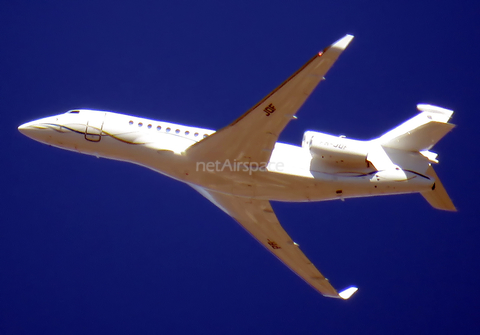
[
  {"x": 168, "y": 130},
  {"x": 130, "y": 123},
  {"x": 149, "y": 126},
  {"x": 159, "y": 128},
  {"x": 177, "y": 131},
  {"x": 140, "y": 124},
  {"x": 205, "y": 136},
  {"x": 187, "y": 132},
  {"x": 196, "y": 134}
]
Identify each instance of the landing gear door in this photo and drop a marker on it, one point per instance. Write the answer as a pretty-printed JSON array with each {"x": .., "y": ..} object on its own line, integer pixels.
[{"x": 93, "y": 132}]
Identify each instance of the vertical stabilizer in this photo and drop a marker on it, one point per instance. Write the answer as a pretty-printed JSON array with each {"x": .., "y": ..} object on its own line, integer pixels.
[{"x": 438, "y": 196}]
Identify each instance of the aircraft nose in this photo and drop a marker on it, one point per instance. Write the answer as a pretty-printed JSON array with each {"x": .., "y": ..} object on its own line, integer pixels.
[
  {"x": 30, "y": 128},
  {"x": 35, "y": 130},
  {"x": 22, "y": 128}
]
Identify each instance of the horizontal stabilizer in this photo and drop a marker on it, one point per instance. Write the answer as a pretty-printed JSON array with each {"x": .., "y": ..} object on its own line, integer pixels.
[
  {"x": 438, "y": 196},
  {"x": 421, "y": 132},
  {"x": 421, "y": 138},
  {"x": 436, "y": 113}
]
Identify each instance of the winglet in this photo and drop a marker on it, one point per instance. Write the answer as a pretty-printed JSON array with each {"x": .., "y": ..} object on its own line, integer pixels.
[
  {"x": 343, "y": 42},
  {"x": 337, "y": 48},
  {"x": 347, "y": 293}
]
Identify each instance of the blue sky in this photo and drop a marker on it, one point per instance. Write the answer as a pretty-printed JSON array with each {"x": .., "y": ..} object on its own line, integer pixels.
[{"x": 95, "y": 246}]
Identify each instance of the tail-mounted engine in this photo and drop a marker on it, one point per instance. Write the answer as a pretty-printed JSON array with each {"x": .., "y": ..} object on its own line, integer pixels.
[{"x": 336, "y": 151}]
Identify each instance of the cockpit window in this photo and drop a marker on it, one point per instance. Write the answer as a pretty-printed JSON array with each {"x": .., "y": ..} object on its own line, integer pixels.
[{"x": 73, "y": 112}]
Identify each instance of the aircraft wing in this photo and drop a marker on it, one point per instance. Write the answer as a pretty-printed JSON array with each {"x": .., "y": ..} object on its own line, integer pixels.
[
  {"x": 252, "y": 136},
  {"x": 258, "y": 218}
]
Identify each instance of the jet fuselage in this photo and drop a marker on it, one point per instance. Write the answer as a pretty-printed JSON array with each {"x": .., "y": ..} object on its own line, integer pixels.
[{"x": 293, "y": 173}]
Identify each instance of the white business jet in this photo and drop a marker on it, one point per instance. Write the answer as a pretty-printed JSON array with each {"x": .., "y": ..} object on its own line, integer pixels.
[{"x": 241, "y": 167}]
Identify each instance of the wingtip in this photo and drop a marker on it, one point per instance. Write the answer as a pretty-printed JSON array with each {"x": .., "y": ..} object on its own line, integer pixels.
[
  {"x": 347, "y": 293},
  {"x": 343, "y": 42},
  {"x": 338, "y": 46}
]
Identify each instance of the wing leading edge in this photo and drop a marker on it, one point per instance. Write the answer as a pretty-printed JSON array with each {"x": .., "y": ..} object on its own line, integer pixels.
[
  {"x": 251, "y": 138},
  {"x": 258, "y": 218}
]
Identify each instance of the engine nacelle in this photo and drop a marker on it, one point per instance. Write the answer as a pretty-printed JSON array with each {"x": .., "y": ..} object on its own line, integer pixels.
[{"x": 339, "y": 151}]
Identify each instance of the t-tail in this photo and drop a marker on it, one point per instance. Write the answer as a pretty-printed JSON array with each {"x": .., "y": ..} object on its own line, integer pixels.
[{"x": 420, "y": 134}]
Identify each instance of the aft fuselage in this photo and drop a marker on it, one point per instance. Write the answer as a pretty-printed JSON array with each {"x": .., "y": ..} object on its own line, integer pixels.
[{"x": 292, "y": 174}]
